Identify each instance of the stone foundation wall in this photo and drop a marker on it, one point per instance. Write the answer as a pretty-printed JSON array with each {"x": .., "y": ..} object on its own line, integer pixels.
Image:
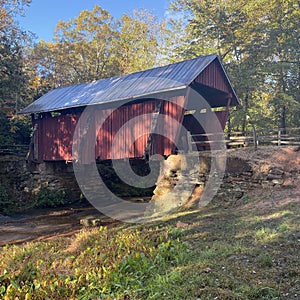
[
  {"x": 184, "y": 178},
  {"x": 23, "y": 184},
  {"x": 20, "y": 182}
]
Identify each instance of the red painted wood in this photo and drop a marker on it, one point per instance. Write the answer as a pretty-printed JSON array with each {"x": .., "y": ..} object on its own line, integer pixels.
[
  {"x": 214, "y": 76},
  {"x": 125, "y": 132},
  {"x": 55, "y": 137},
  {"x": 169, "y": 125}
]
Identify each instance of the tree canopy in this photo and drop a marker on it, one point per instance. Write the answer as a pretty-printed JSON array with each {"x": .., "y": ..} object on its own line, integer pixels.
[
  {"x": 95, "y": 45},
  {"x": 9, "y": 9},
  {"x": 15, "y": 73},
  {"x": 257, "y": 41}
]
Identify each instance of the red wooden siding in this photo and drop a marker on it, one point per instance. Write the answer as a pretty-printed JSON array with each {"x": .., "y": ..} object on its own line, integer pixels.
[
  {"x": 54, "y": 137},
  {"x": 85, "y": 137},
  {"x": 169, "y": 125},
  {"x": 123, "y": 134},
  {"x": 214, "y": 76}
]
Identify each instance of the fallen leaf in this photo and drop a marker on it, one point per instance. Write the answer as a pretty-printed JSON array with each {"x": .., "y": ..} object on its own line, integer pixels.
[{"x": 181, "y": 224}]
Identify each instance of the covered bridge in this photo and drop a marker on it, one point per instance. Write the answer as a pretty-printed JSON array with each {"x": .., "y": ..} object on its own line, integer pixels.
[{"x": 159, "y": 101}]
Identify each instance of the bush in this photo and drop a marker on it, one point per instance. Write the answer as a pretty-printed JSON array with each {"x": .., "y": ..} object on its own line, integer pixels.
[
  {"x": 49, "y": 198},
  {"x": 14, "y": 130}
]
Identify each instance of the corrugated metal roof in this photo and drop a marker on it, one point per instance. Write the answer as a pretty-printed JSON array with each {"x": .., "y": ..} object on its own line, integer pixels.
[{"x": 141, "y": 84}]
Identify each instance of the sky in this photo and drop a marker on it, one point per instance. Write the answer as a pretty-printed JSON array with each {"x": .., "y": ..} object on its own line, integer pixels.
[{"x": 42, "y": 16}]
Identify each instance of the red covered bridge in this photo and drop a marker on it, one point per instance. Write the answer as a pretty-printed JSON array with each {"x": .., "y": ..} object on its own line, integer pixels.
[{"x": 159, "y": 100}]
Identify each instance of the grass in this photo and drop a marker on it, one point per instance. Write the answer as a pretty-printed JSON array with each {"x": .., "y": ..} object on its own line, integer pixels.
[{"x": 234, "y": 253}]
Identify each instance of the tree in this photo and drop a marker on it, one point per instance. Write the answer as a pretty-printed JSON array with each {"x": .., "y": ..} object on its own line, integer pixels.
[
  {"x": 14, "y": 77},
  {"x": 284, "y": 61},
  {"x": 14, "y": 74},
  {"x": 81, "y": 49},
  {"x": 94, "y": 45},
  {"x": 9, "y": 9},
  {"x": 138, "y": 41},
  {"x": 256, "y": 41}
]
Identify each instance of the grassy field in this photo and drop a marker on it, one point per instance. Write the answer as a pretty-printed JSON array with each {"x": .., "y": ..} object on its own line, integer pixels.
[{"x": 249, "y": 250}]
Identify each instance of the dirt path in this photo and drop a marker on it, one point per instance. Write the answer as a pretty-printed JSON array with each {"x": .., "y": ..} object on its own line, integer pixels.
[{"x": 46, "y": 224}]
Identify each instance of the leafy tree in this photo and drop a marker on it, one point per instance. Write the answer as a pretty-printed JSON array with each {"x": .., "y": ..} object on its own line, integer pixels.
[
  {"x": 137, "y": 42},
  {"x": 14, "y": 87},
  {"x": 258, "y": 42},
  {"x": 81, "y": 49},
  {"x": 11, "y": 68},
  {"x": 14, "y": 74},
  {"x": 95, "y": 45},
  {"x": 9, "y": 9},
  {"x": 225, "y": 28},
  {"x": 284, "y": 61}
]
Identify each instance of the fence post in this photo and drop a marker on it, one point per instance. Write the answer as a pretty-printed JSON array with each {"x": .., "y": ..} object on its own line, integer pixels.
[
  {"x": 254, "y": 137},
  {"x": 279, "y": 137}
]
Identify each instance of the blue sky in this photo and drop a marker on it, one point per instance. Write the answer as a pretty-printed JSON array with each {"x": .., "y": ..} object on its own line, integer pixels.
[{"x": 42, "y": 16}]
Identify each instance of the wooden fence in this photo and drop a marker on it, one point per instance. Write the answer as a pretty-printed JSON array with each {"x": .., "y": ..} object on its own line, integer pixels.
[{"x": 280, "y": 137}]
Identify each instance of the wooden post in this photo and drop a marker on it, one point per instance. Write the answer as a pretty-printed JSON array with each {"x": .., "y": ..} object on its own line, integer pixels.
[
  {"x": 189, "y": 141},
  {"x": 279, "y": 137},
  {"x": 228, "y": 116},
  {"x": 254, "y": 137},
  {"x": 34, "y": 144},
  {"x": 255, "y": 141},
  {"x": 158, "y": 106}
]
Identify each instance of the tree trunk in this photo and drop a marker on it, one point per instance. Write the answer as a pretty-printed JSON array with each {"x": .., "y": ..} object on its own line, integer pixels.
[
  {"x": 282, "y": 111},
  {"x": 282, "y": 120},
  {"x": 228, "y": 125},
  {"x": 246, "y": 107}
]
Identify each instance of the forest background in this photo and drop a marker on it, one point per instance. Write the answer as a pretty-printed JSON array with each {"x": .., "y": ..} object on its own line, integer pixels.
[{"x": 257, "y": 40}]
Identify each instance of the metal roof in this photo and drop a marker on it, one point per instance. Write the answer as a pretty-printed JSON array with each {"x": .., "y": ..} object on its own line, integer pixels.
[{"x": 129, "y": 87}]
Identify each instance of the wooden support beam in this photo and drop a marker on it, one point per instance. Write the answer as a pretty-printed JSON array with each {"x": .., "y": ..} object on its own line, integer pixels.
[{"x": 158, "y": 106}]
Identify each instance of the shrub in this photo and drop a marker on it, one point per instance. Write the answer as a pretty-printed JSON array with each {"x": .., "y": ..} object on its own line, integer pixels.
[{"x": 50, "y": 198}]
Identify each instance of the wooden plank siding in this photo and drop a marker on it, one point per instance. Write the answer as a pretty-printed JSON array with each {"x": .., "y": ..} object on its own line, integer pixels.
[
  {"x": 53, "y": 137},
  {"x": 170, "y": 125},
  {"x": 123, "y": 134},
  {"x": 215, "y": 77}
]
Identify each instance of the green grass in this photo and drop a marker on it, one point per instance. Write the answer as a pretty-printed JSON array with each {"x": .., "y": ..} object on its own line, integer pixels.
[{"x": 232, "y": 253}]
